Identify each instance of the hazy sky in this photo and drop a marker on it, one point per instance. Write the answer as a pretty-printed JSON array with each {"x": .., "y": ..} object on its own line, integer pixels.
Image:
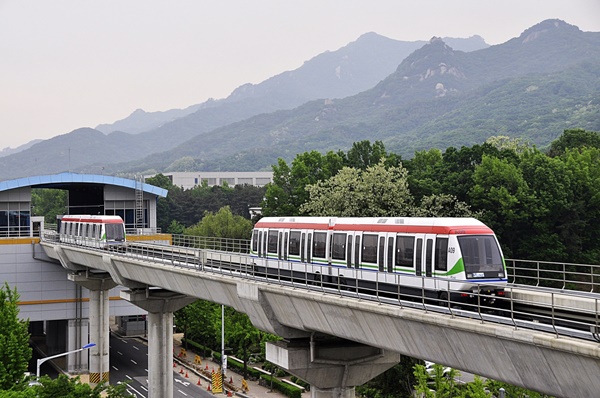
[{"x": 67, "y": 64}]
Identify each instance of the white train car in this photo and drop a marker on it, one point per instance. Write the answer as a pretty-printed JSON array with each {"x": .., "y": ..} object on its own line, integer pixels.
[
  {"x": 437, "y": 256},
  {"x": 92, "y": 231}
]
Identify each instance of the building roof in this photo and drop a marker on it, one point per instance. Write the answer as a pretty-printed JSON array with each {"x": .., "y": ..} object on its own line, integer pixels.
[{"x": 64, "y": 180}]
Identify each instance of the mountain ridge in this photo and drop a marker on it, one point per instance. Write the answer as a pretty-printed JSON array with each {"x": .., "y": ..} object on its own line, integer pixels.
[{"x": 425, "y": 99}]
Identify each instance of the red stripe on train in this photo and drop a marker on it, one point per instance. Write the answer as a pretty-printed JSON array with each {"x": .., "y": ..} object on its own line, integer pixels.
[{"x": 399, "y": 228}]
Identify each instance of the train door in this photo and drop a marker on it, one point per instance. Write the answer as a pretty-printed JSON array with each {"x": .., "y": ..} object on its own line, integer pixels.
[
  {"x": 390, "y": 254},
  {"x": 280, "y": 246},
  {"x": 428, "y": 255},
  {"x": 302, "y": 246},
  {"x": 349, "y": 251},
  {"x": 419, "y": 256},
  {"x": 357, "y": 252},
  {"x": 381, "y": 254},
  {"x": 264, "y": 244},
  {"x": 285, "y": 244},
  {"x": 309, "y": 248}
]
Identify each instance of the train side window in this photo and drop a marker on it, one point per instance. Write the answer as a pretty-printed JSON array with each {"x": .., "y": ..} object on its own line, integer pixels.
[
  {"x": 405, "y": 250},
  {"x": 255, "y": 241},
  {"x": 319, "y": 244},
  {"x": 357, "y": 253},
  {"x": 272, "y": 242},
  {"x": 419, "y": 257},
  {"x": 294, "y": 243},
  {"x": 349, "y": 252},
  {"x": 339, "y": 247},
  {"x": 390, "y": 255},
  {"x": 441, "y": 254},
  {"x": 381, "y": 257},
  {"x": 369, "y": 249},
  {"x": 264, "y": 244}
]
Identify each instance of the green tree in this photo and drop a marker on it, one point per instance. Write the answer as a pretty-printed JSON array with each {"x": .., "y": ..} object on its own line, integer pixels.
[
  {"x": 287, "y": 193},
  {"x": 15, "y": 352},
  {"x": 581, "y": 227},
  {"x": 197, "y": 322},
  {"x": 163, "y": 211},
  {"x": 512, "y": 144},
  {"x": 499, "y": 187},
  {"x": 160, "y": 180},
  {"x": 241, "y": 336},
  {"x": 363, "y": 154},
  {"x": 444, "y": 205},
  {"x": 48, "y": 203},
  {"x": 425, "y": 173},
  {"x": 222, "y": 224},
  {"x": 375, "y": 192},
  {"x": 494, "y": 386},
  {"x": 574, "y": 139}
]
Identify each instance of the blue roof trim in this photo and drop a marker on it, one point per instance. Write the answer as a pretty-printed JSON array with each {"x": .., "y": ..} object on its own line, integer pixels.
[{"x": 66, "y": 178}]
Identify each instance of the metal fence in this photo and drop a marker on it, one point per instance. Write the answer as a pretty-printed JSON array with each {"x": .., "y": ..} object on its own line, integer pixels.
[{"x": 558, "y": 298}]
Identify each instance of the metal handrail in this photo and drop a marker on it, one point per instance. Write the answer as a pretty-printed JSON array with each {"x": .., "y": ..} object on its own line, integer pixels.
[{"x": 227, "y": 257}]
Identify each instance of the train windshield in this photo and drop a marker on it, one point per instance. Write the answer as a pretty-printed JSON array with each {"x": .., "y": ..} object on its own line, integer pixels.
[
  {"x": 115, "y": 232},
  {"x": 481, "y": 256}
]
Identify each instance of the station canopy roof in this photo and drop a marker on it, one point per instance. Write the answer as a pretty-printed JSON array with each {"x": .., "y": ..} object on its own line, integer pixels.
[{"x": 67, "y": 180}]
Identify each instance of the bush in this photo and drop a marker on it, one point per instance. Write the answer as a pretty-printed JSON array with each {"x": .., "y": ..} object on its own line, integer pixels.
[{"x": 284, "y": 388}]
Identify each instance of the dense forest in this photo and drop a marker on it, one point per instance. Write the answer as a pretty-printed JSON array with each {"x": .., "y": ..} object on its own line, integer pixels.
[{"x": 543, "y": 205}]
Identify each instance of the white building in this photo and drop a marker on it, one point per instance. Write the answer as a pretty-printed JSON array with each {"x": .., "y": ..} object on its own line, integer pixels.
[{"x": 188, "y": 180}]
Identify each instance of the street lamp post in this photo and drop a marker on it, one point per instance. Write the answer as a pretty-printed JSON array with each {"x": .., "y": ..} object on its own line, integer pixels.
[{"x": 42, "y": 360}]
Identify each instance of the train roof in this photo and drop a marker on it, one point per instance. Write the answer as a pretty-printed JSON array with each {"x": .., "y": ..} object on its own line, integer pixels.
[
  {"x": 92, "y": 218},
  {"x": 448, "y": 225}
]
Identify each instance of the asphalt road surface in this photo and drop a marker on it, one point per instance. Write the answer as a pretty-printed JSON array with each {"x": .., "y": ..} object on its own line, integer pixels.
[{"x": 129, "y": 363}]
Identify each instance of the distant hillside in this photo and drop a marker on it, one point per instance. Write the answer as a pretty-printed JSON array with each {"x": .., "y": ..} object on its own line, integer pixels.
[
  {"x": 532, "y": 86},
  {"x": 140, "y": 120},
  {"x": 10, "y": 151},
  {"x": 347, "y": 71}
]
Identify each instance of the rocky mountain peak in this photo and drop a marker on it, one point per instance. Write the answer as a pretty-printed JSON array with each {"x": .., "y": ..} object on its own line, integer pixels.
[
  {"x": 434, "y": 59},
  {"x": 546, "y": 27}
]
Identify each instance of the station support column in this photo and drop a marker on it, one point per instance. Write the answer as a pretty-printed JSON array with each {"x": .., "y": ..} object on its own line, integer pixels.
[
  {"x": 99, "y": 327},
  {"x": 160, "y": 305}
]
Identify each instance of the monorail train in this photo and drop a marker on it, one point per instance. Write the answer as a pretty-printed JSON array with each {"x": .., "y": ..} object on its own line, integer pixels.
[
  {"x": 438, "y": 256},
  {"x": 93, "y": 231}
]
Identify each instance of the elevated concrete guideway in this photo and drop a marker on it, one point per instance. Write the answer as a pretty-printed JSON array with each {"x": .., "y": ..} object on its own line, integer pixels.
[{"x": 563, "y": 367}]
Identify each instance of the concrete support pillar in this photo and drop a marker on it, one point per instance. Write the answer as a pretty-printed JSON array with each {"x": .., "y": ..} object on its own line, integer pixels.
[
  {"x": 332, "y": 366},
  {"x": 160, "y": 351},
  {"x": 160, "y": 305},
  {"x": 99, "y": 286},
  {"x": 99, "y": 334}
]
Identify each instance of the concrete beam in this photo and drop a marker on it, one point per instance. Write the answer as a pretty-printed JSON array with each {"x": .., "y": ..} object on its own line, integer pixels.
[
  {"x": 537, "y": 360},
  {"x": 332, "y": 366}
]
